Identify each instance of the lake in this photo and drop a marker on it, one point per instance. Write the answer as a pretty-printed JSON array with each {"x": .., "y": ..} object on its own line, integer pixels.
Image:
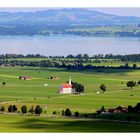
[{"x": 64, "y": 45}]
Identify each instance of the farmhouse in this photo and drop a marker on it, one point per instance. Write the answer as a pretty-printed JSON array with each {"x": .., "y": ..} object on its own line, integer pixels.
[
  {"x": 8, "y": 65},
  {"x": 65, "y": 88},
  {"x": 53, "y": 77},
  {"x": 24, "y": 78}
]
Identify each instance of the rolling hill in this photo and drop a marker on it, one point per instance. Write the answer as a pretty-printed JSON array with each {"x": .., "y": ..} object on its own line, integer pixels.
[{"x": 31, "y": 23}]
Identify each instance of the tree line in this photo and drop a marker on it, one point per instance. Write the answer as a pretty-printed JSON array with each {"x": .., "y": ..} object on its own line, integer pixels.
[
  {"x": 66, "y": 65},
  {"x": 13, "y": 109},
  {"x": 37, "y": 110},
  {"x": 124, "y": 58}
]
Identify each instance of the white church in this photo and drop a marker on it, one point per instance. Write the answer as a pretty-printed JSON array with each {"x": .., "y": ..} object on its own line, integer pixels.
[{"x": 65, "y": 88}]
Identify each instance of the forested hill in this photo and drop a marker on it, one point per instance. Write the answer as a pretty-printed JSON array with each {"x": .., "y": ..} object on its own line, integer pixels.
[
  {"x": 64, "y": 16},
  {"x": 63, "y": 21}
]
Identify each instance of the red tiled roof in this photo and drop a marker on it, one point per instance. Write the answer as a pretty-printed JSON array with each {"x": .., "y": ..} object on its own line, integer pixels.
[
  {"x": 66, "y": 85},
  {"x": 25, "y": 77}
]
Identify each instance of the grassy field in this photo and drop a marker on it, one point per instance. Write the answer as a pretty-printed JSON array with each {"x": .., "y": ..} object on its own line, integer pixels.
[
  {"x": 33, "y": 92},
  {"x": 18, "y": 123}
]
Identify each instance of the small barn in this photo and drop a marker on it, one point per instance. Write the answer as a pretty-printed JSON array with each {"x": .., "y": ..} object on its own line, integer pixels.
[
  {"x": 65, "y": 88},
  {"x": 53, "y": 77},
  {"x": 24, "y": 77}
]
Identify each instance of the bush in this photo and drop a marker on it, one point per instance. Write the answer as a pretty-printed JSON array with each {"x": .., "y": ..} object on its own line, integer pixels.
[
  {"x": 24, "y": 109},
  {"x": 54, "y": 112},
  {"x": 119, "y": 108},
  {"x": 45, "y": 112},
  {"x": 10, "y": 108},
  {"x": 38, "y": 110},
  {"x": 102, "y": 109},
  {"x": 32, "y": 110},
  {"x": 137, "y": 107},
  {"x": 2, "y": 109},
  {"x": 14, "y": 108},
  {"x": 130, "y": 108},
  {"x": 68, "y": 112},
  {"x": 76, "y": 114},
  {"x": 3, "y": 83},
  {"x": 63, "y": 112}
]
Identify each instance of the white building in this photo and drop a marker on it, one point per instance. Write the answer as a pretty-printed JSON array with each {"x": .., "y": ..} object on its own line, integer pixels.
[{"x": 65, "y": 88}]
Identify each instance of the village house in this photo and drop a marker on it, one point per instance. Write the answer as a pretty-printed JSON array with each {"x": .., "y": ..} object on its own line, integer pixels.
[
  {"x": 24, "y": 77},
  {"x": 65, "y": 88},
  {"x": 8, "y": 65},
  {"x": 53, "y": 77}
]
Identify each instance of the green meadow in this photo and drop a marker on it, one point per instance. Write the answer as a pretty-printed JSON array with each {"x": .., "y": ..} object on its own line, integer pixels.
[{"x": 33, "y": 92}]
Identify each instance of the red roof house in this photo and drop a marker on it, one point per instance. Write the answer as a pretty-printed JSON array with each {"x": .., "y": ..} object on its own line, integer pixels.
[
  {"x": 65, "y": 88},
  {"x": 24, "y": 78}
]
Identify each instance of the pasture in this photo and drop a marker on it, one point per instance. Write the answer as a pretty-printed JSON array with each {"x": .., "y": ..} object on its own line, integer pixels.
[{"x": 33, "y": 92}]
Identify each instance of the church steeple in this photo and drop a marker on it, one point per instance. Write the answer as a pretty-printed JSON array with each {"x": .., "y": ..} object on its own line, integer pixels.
[{"x": 70, "y": 80}]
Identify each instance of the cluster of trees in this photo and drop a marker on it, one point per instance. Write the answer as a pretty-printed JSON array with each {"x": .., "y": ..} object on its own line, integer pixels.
[
  {"x": 132, "y": 84},
  {"x": 60, "y": 64},
  {"x": 80, "y": 66},
  {"x": 77, "y": 88},
  {"x": 68, "y": 112},
  {"x": 9, "y": 56},
  {"x": 13, "y": 108},
  {"x": 129, "y": 109},
  {"x": 135, "y": 109},
  {"x": 38, "y": 110},
  {"x": 124, "y": 58},
  {"x": 80, "y": 62}
]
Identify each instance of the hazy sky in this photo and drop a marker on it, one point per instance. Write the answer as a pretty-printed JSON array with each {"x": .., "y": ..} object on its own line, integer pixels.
[{"x": 115, "y": 11}]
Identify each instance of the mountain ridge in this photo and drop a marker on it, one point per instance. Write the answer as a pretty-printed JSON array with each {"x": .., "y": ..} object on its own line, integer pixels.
[
  {"x": 67, "y": 16},
  {"x": 83, "y": 21}
]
